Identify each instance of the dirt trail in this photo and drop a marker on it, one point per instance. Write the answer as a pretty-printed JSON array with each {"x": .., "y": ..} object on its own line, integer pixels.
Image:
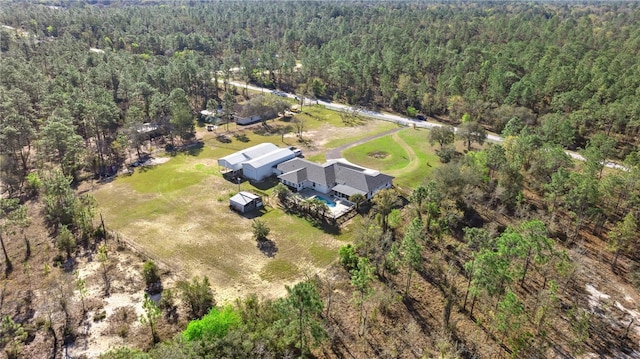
[
  {"x": 413, "y": 158},
  {"x": 336, "y": 153}
]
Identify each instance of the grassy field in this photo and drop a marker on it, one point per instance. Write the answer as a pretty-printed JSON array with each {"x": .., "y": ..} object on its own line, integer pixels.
[
  {"x": 406, "y": 155},
  {"x": 337, "y": 142},
  {"x": 426, "y": 159},
  {"x": 178, "y": 212},
  {"x": 384, "y": 154}
]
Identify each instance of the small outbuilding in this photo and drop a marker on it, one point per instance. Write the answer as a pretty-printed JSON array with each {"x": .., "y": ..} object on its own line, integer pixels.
[{"x": 244, "y": 202}]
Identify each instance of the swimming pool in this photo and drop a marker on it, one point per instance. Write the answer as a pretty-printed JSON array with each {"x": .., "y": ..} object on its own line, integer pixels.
[{"x": 329, "y": 202}]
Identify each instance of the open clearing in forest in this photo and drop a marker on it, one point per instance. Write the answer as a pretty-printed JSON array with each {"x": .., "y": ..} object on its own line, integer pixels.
[
  {"x": 409, "y": 157},
  {"x": 178, "y": 212}
]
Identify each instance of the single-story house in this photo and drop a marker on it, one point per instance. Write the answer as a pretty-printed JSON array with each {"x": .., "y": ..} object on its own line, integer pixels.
[
  {"x": 248, "y": 120},
  {"x": 257, "y": 162},
  {"x": 244, "y": 202},
  {"x": 337, "y": 178}
]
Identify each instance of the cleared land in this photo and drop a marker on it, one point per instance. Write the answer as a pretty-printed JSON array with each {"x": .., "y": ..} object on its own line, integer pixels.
[
  {"x": 405, "y": 154},
  {"x": 178, "y": 212}
]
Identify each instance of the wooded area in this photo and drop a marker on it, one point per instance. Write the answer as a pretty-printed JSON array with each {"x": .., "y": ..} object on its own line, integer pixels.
[{"x": 500, "y": 240}]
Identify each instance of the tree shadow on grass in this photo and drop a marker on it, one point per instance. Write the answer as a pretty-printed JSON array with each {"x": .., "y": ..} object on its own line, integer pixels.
[
  {"x": 146, "y": 168},
  {"x": 192, "y": 148},
  {"x": 223, "y": 138},
  {"x": 328, "y": 227},
  {"x": 241, "y": 137},
  {"x": 268, "y": 247}
]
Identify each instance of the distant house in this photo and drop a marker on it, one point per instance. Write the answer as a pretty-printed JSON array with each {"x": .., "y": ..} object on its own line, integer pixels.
[
  {"x": 244, "y": 202},
  {"x": 147, "y": 127},
  {"x": 339, "y": 179},
  {"x": 257, "y": 162},
  {"x": 248, "y": 120},
  {"x": 210, "y": 116}
]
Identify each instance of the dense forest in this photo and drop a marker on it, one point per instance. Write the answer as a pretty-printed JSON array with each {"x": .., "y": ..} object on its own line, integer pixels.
[{"x": 496, "y": 242}]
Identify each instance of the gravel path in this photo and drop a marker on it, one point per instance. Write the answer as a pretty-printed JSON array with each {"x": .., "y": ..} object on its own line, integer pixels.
[{"x": 336, "y": 153}]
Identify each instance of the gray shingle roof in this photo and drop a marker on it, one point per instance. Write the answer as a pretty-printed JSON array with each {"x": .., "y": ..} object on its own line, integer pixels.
[
  {"x": 332, "y": 174},
  {"x": 349, "y": 191},
  {"x": 295, "y": 176}
]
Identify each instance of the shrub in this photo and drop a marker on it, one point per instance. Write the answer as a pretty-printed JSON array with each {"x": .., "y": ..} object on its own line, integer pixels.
[
  {"x": 151, "y": 273},
  {"x": 66, "y": 241},
  {"x": 197, "y": 295},
  {"x": 348, "y": 257},
  {"x": 411, "y": 111},
  {"x": 260, "y": 230},
  {"x": 446, "y": 154},
  {"x": 215, "y": 324},
  {"x": 34, "y": 183}
]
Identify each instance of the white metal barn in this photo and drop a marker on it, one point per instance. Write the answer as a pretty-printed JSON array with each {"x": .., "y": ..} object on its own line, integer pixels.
[
  {"x": 262, "y": 167},
  {"x": 235, "y": 160}
]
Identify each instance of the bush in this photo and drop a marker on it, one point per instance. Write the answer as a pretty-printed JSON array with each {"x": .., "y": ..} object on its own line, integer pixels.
[
  {"x": 446, "y": 154},
  {"x": 411, "y": 111},
  {"x": 348, "y": 257},
  {"x": 66, "y": 241},
  {"x": 34, "y": 183},
  {"x": 215, "y": 324},
  {"x": 151, "y": 273},
  {"x": 260, "y": 230},
  {"x": 100, "y": 315},
  {"x": 197, "y": 295},
  {"x": 125, "y": 353},
  {"x": 634, "y": 276}
]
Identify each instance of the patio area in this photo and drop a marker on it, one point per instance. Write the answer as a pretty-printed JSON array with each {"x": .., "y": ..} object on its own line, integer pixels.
[{"x": 338, "y": 207}]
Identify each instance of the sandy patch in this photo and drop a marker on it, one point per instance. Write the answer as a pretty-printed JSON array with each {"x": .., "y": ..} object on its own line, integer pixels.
[
  {"x": 600, "y": 305},
  {"x": 97, "y": 337},
  {"x": 156, "y": 161},
  {"x": 595, "y": 297}
]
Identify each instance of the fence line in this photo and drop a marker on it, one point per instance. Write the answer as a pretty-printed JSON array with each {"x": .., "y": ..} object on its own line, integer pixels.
[{"x": 141, "y": 251}]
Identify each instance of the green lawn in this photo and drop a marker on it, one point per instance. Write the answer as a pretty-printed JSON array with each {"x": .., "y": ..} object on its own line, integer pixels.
[
  {"x": 343, "y": 140},
  {"x": 178, "y": 211},
  {"x": 383, "y": 154},
  {"x": 427, "y": 159},
  {"x": 406, "y": 155}
]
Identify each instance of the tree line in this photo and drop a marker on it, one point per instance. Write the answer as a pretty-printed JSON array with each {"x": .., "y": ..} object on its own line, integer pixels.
[{"x": 546, "y": 64}]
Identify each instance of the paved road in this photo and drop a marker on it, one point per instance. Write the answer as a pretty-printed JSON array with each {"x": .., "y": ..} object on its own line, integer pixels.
[{"x": 401, "y": 120}]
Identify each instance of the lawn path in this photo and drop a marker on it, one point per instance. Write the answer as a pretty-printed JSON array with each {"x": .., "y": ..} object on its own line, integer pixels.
[
  {"x": 336, "y": 153},
  {"x": 413, "y": 158}
]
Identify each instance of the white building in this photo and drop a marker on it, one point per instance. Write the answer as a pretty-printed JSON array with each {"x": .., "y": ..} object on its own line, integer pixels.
[
  {"x": 245, "y": 202},
  {"x": 257, "y": 162},
  {"x": 235, "y": 160},
  {"x": 262, "y": 167}
]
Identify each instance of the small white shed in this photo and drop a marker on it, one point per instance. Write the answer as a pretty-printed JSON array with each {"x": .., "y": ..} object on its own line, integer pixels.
[{"x": 244, "y": 202}]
